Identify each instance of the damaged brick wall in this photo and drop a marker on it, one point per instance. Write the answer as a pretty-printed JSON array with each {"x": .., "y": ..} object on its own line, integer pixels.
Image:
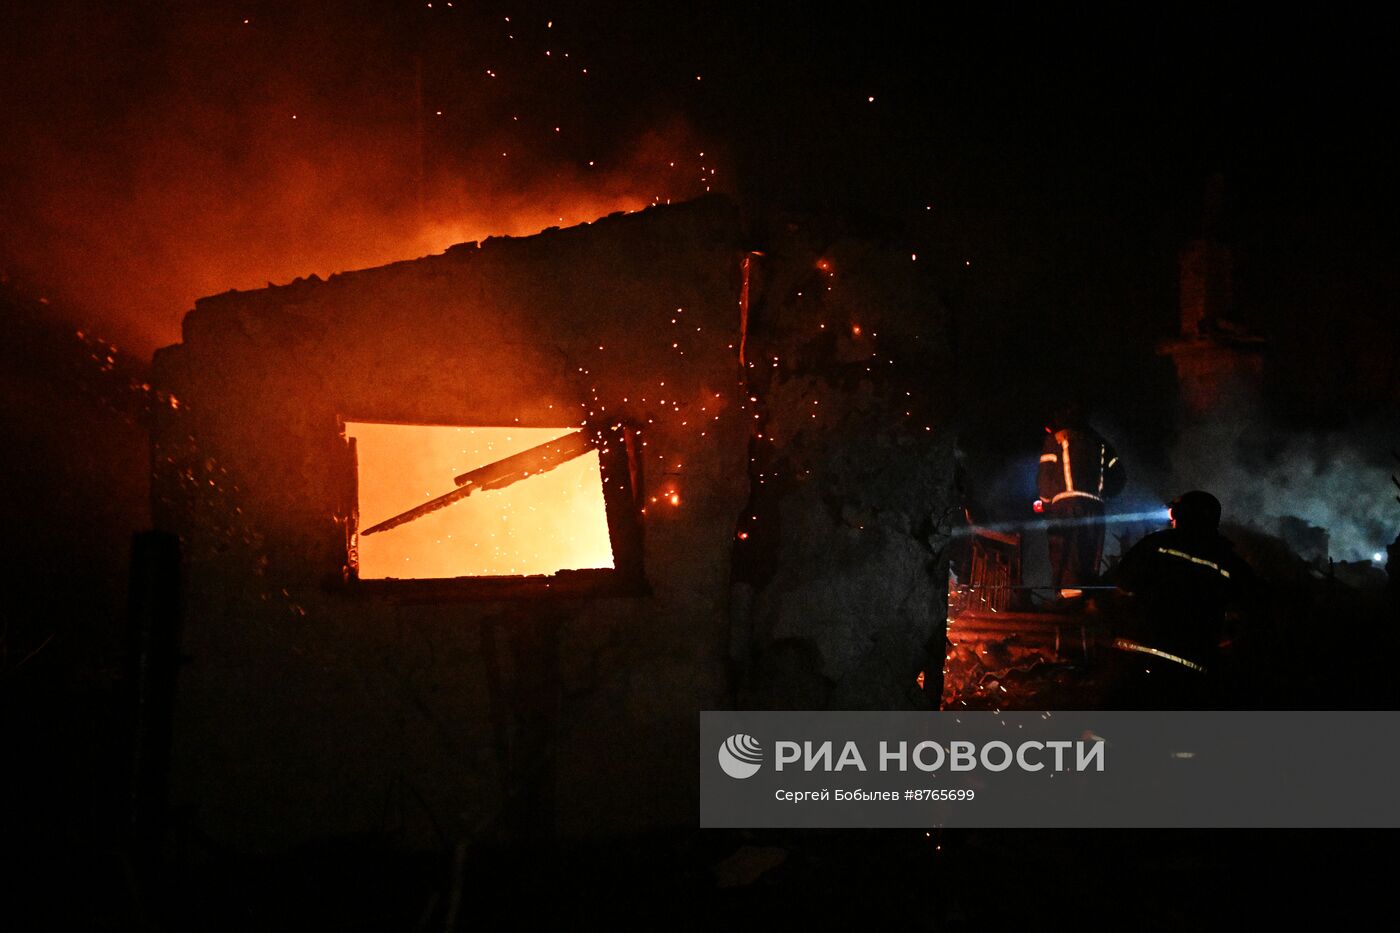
[
  {"x": 311, "y": 708},
  {"x": 841, "y": 593}
]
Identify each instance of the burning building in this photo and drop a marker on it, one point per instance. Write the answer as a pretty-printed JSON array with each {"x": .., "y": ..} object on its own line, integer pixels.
[{"x": 467, "y": 542}]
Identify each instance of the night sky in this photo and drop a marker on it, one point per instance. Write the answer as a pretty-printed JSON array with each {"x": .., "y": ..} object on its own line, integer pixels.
[{"x": 1048, "y": 165}]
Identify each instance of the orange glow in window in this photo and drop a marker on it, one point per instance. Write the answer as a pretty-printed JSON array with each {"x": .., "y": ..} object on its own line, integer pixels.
[{"x": 554, "y": 520}]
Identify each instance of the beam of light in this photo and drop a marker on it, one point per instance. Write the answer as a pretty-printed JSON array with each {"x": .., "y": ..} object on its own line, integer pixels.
[{"x": 1156, "y": 515}]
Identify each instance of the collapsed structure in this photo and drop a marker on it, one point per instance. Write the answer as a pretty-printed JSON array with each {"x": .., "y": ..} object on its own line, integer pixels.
[{"x": 748, "y": 416}]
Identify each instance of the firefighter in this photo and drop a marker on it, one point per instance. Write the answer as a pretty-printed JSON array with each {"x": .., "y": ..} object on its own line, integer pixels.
[
  {"x": 1078, "y": 471},
  {"x": 1182, "y": 581}
]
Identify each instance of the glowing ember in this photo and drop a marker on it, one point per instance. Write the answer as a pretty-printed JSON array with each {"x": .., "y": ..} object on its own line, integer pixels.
[{"x": 550, "y": 522}]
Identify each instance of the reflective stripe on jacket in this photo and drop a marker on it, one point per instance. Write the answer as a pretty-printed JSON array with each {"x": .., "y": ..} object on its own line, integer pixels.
[{"x": 1077, "y": 462}]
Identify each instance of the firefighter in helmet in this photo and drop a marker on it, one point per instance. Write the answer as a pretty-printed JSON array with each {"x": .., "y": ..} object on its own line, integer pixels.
[
  {"x": 1183, "y": 580},
  {"x": 1078, "y": 471}
]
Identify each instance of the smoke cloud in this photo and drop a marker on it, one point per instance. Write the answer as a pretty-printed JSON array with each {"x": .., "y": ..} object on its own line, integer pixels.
[
  {"x": 1267, "y": 474},
  {"x": 167, "y": 151}
]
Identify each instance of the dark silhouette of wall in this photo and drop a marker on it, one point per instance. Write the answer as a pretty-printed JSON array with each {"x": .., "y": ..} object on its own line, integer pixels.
[{"x": 311, "y": 706}]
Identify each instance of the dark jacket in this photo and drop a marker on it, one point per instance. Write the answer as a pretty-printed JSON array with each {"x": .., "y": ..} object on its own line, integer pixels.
[
  {"x": 1078, "y": 463},
  {"x": 1183, "y": 584}
]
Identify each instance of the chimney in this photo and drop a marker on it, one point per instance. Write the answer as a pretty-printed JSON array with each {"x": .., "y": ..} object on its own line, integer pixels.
[
  {"x": 1205, "y": 277},
  {"x": 1204, "y": 268}
]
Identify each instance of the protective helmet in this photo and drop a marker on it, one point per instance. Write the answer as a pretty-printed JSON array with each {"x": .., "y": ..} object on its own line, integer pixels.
[
  {"x": 1068, "y": 414},
  {"x": 1196, "y": 511}
]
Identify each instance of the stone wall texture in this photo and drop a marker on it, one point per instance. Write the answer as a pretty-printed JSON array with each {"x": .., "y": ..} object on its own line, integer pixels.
[{"x": 803, "y": 566}]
